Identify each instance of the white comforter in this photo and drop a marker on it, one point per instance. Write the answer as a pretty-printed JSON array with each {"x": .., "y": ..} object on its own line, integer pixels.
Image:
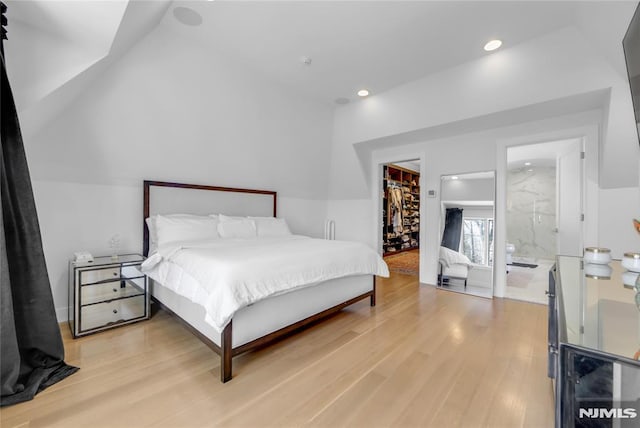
[{"x": 233, "y": 273}]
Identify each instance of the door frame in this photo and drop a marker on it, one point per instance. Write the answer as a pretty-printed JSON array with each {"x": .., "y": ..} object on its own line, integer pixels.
[
  {"x": 581, "y": 149},
  {"x": 377, "y": 196},
  {"x": 590, "y": 134}
]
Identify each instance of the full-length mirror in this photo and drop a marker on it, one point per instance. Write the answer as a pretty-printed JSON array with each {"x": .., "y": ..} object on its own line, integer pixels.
[{"x": 467, "y": 230}]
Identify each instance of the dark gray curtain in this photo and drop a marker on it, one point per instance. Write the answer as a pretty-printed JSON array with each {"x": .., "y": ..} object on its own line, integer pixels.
[
  {"x": 31, "y": 351},
  {"x": 452, "y": 229}
]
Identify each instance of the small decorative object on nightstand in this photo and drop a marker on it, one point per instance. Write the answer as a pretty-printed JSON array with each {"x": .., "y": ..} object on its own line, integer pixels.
[
  {"x": 114, "y": 243},
  {"x": 106, "y": 293}
]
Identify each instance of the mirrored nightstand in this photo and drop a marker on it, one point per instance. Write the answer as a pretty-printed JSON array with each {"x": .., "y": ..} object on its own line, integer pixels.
[{"x": 107, "y": 293}]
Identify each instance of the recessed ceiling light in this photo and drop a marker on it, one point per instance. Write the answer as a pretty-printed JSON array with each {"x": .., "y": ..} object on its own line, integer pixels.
[
  {"x": 527, "y": 163},
  {"x": 530, "y": 170},
  {"x": 492, "y": 45},
  {"x": 455, "y": 177},
  {"x": 363, "y": 93}
]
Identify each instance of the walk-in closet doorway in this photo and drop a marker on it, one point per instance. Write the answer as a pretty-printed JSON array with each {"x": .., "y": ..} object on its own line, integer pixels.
[{"x": 400, "y": 206}]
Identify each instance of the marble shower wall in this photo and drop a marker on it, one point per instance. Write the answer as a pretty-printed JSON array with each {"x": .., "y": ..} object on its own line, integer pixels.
[{"x": 531, "y": 212}]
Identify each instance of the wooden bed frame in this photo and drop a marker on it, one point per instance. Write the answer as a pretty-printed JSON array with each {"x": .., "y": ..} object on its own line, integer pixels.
[{"x": 226, "y": 350}]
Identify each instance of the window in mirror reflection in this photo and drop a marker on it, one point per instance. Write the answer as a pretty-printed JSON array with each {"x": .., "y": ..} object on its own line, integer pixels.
[{"x": 477, "y": 240}]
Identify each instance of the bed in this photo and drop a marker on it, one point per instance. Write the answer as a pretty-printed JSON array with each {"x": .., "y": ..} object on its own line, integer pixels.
[{"x": 188, "y": 277}]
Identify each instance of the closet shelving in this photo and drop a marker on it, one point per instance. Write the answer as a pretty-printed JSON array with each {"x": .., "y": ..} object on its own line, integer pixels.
[{"x": 401, "y": 210}]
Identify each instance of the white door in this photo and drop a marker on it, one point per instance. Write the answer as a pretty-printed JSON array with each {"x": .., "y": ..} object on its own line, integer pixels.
[{"x": 569, "y": 203}]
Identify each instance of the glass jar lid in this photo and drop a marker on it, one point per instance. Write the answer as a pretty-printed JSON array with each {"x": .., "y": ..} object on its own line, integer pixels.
[
  {"x": 597, "y": 250},
  {"x": 632, "y": 255},
  {"x": 594, "y": 276}
]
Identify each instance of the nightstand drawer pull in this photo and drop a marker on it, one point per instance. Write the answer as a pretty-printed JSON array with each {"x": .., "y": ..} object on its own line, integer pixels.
[{"x": 115, "y": 311}]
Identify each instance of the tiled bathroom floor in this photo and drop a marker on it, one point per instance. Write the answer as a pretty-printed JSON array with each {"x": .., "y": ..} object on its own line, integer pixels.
[{"x": 529, "y": 284}]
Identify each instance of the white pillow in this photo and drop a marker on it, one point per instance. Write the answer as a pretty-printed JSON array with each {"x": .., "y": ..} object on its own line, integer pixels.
[
  {"x": 222, "y": 218},
  {"x": 153, "y": 229},
  {"x": 240, "y": 229},
  {"x": 271, "y": 226},
  {"x": 153, "y": 233},
  {"x": 185, "y": 227}
]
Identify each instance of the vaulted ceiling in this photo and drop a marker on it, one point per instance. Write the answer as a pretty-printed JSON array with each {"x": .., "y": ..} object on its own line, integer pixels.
[
  {"x": 56, "y": 48},
  {"x": 378, "y": 45}
]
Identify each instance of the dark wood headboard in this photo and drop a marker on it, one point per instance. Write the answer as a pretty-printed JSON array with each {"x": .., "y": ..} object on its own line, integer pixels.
[{"x": 245, "y": 205}]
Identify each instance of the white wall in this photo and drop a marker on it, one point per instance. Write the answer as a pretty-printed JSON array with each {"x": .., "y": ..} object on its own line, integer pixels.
[
  {"x": 476, "y": 212},
  {"x": 531, "y": 212},
  {"x": 438, "y": 158},
  {"x": 30, "y": 51},
  {"x": 462, "y": 120},
  {"x": 482, "y": 151},
  {"x": 172, "y": 111},
  {"x": 557, "y": 66},
  {"x": 617, "y": 209},
  {"x": 76, "y": 216},
  {"x": 481, "y": 276},
  {"x": 468, "y": 190}
]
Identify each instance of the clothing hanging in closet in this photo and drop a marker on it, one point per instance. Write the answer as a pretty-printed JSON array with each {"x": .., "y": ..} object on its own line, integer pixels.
[{"x": 395, "y": 207}]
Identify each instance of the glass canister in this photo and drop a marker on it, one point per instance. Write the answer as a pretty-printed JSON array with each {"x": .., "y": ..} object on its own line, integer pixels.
[
  {"x": 631, "y": 262},
  {"x": 596, "y": 255}
]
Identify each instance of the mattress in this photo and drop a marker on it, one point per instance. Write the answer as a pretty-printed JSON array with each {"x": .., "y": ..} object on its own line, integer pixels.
[
  {"x": 268, "y": 315},
  {"x": 226, "y": 275}
]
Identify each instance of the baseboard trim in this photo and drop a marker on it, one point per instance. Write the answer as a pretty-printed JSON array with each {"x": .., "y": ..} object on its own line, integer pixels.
[{"x": 62, "y": 314}]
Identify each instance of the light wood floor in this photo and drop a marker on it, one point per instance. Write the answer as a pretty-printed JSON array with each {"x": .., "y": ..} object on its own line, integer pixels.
[{"x": 422, "y": 357}]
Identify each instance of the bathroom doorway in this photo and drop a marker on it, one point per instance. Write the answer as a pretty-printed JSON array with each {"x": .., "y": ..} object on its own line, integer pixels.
[
  {"x": 544, "y": 206},
  {"x": 401, "y": 216}
]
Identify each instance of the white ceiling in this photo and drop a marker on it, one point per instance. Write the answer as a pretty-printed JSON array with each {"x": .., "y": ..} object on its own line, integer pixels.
[
  {"x": 90, "y": 25},
  {"x": 56, "y": 49},
  {"x": 413, "y": 165},
  {"x": 352, "y": 44},
  {"x": 539, "y": 155},
  {"x": 375, "y": 44}
]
